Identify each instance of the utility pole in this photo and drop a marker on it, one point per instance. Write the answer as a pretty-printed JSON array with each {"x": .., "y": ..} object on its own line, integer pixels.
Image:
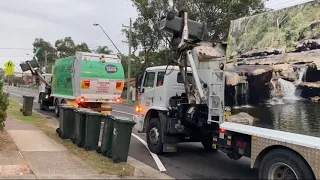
[
  {"x": 129, "y": 59},
  {"x": 45, "y": 61}
]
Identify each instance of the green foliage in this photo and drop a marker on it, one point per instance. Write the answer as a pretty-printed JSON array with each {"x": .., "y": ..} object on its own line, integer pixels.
[
  {"x": 154, "y": 44},
  {"x": 45, "y": 46},
  {"x": 103, "y": 50},
  {"x": 273, "y": 29},
  {"x": 66, "y": 47},
  {"x": 4, "y": 103},
  {"x": 63, "y": 48}
]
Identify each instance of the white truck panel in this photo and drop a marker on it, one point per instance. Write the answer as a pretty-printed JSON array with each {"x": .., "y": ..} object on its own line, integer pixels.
[
  {"x": 297, "y": 139},
  {"x": 307, "y": 146}
]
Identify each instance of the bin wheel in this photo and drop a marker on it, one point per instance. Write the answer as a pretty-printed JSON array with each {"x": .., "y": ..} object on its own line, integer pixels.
[
  {"x": 86, "y": 147},
  {"x": 58, "y": 130},
  {"x": 116, "y": 160},
  {"x": 104, "y": 153},
  {"x": 99, "y": 150},
  {"x": 73, "y": 139},
  {"x": 24, "y": 113},
  {"x": 108, "y": 154},
  {"x": 81, "y": 144}
]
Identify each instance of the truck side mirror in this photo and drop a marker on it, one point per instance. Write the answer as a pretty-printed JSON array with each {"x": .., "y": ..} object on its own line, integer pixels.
[{"x": 138, "y": 80}]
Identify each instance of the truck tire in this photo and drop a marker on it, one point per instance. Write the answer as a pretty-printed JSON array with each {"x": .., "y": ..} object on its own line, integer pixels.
[
  {"x": 284, "y": 164},
  {"x": 154, "y": 136}
]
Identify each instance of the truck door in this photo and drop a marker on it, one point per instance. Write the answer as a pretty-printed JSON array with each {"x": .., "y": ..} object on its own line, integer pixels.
[
  {"x": 158, "y": 99},
  {"x": 147, "y": 89}
]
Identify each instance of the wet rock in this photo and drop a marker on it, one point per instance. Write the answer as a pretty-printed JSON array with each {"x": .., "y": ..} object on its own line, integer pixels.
[
  {"x": 207, "y": 51},
  {"x": 308, "y": 89},
  {"x": 232, "y": 78},
  {"x": 263, "y": 52},
  {"x": 315, "y": 99},
  {"x": 241, "y": 118},
  {"x": 307, "y": 44}
]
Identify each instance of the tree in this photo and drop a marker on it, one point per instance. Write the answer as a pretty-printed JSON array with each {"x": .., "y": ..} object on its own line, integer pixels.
[
  {"x": 4, "y": 103},
  {"x": 103, "y": 50},
  {"x": 65, "y": 47},
  {"x": 83, "y": 47},
  {"x": 44, "y": 46},
  {"x": 217, "y": 14}
]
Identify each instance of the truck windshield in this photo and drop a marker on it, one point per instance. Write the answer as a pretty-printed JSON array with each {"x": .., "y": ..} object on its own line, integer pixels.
[{"x": 189, "y": 78}]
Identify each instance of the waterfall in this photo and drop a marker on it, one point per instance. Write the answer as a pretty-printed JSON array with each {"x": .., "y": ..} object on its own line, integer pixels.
[
  {"x": 245, "y": 94},
  {"x": 236, "y": 96},
  {"x": 302, "y": 72},
  {"x": 288, "y": 89}
]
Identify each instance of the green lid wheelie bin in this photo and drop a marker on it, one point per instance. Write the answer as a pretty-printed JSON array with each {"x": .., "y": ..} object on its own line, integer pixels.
[
  {"x": 122, "y": 130},
  {"x": 27, "y": 105},
  {"x": 106, "y": 140},
  {"x": 66, "y": 121},
  {"x": 92, "y": 133},
  {"x": 79, "y": 126}
]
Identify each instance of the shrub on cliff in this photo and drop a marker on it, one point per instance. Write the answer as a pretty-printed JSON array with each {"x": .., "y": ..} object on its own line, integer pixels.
[{"x": 4, "y": 103}]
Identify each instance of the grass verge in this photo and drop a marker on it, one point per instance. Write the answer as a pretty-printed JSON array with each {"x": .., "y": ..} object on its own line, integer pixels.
[{"x": 99, "y": 163}]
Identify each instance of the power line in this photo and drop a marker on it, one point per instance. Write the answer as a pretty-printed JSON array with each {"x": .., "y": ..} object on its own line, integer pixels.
[{"x": 15, "y": 49}]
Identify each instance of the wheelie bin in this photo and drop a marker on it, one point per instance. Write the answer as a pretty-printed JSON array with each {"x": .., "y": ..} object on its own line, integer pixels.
[
  {"x": 106, "y": 140},
  {"x": 78, "y": 136},
  {"x": 121, "y": 139},
  {"x": 92, "y": 132},
  {"x": 27, "y": 105},
  {"x": 66, "y": 121}
]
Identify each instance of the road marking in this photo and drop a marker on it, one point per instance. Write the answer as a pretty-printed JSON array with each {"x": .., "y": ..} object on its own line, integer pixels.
[
  {"x": 154, "y": 156},
  {"x": 123, "y": 112}
]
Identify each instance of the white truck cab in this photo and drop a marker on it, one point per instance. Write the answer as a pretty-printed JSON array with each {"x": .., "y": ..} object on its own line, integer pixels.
[
  {"x": 157, "y": 85},
  {"x": 42, "y": 86}
]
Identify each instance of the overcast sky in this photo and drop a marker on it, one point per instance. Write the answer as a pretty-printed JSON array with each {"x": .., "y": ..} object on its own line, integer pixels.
[{"x": 23, "y": 21}]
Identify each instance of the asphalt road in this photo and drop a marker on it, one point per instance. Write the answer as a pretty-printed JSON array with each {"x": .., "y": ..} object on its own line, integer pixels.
[{"x": 190, "y": 162}]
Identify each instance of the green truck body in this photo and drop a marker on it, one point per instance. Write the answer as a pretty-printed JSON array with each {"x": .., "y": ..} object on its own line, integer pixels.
[{"x": 94, "y": 77}]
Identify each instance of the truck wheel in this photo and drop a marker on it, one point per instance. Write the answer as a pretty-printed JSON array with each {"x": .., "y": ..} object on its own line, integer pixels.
[
  {"x": 154, "y": 136},
  {"x": 284, "y": 164}
]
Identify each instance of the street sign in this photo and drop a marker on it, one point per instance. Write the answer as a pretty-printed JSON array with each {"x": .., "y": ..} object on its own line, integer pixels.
[
  {"x": 9, "y": 66},
  {"x": 8, "y": 71}
]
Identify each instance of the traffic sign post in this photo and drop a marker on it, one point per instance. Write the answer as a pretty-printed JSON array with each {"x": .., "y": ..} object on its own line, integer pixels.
[
  {"x": 8, "y": 70},
  {"x": 9, "y": 66}
]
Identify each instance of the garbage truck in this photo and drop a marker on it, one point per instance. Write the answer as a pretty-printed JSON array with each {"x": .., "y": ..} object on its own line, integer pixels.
[
  {"x": 185, "y": 103},
  {"x": 87, "y": 80}
]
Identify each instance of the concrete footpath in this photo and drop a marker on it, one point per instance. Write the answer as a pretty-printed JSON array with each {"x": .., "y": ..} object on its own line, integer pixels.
[{"x": 40, "y": 157}]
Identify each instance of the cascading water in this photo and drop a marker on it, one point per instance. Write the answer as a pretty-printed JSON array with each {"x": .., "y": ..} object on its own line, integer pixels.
[
  {"x": 236, "y": 96},
  {"x": 245, "y": 94},
  {"x": 288, "y": 89},
  {"x": 302, "y": 73}
]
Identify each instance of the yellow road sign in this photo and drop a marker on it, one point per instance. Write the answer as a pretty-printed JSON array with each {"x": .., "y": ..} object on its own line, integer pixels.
[
  {"x": 9, "y": 65},
  {"x": 8, "y": 71}
]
